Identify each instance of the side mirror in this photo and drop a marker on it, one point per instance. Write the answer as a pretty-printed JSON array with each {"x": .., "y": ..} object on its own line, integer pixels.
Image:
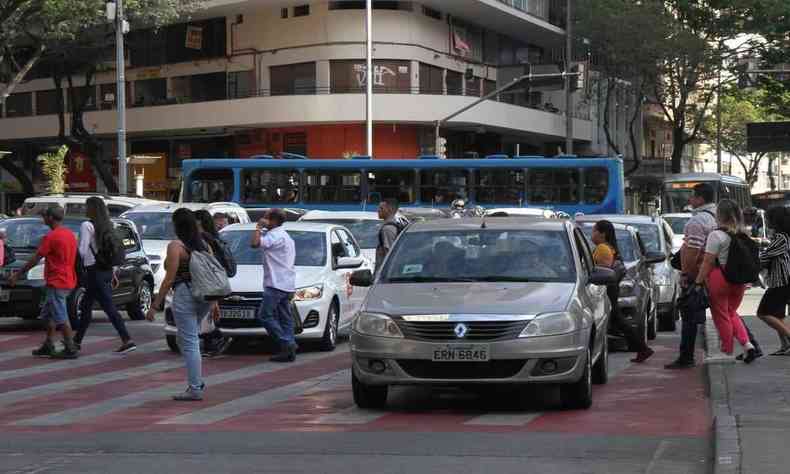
[
  {"x": 362, "y": 278},
  {"x": 602, "y": 276},
  {"x": 653, "y": 258},
  {"x": 348, "y": 262}
]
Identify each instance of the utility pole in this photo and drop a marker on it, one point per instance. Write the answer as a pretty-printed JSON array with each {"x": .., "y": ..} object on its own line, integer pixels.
[
  {"x": 369, "y": 75},
  {"x": 568, "y": 79},
  {"x": 718, "y": 122},
  {"x": 120, "y": 68}
]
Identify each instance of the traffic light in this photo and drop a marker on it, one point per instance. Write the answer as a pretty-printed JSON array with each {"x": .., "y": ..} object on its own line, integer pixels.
[
  {"x": 441, "y": 147},
  {"x": 577, "y": 82}
]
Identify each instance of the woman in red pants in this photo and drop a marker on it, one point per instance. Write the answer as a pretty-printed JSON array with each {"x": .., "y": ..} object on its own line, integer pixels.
[{"x": 725, "y": 297}]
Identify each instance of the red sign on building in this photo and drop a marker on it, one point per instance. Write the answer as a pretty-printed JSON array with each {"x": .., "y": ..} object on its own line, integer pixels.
[{"x": 80, "y": 177}]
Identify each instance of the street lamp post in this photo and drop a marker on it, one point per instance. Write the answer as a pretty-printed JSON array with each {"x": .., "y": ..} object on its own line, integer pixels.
[
  {"x": 116, "y": 13},
  {"x": 568, "y": 79},
  {"x": 369, "y": 75}
]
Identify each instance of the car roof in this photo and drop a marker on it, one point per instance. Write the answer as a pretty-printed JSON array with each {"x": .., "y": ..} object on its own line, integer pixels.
[
  {"x": 617, "y": 226},
  {"x": 620, "y": 218},
  {"x": 471, "y": 223},
  {"x": 357, "y": 215},
  {"x": 194, "y": 206},
  {"x": 519, "y": 211},
  {"x": 678, "y": 214},
  {"x": 68, "y": 218},
  {"x": 299, "y": 225}
]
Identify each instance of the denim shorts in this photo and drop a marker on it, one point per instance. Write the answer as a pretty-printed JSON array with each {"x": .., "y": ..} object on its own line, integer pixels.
[{"x": 54, "y": 308}]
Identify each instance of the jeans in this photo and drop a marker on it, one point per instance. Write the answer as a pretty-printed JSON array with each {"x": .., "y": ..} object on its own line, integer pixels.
[
  {"x": 275, "y": 314},
  {"x": 619, "y": 323},
  {"x": 188, "y": 313},
  {"x": 688, "y": 334},
  {"x": 725, "y": 298},
  {"x": 98, "y": 288}
]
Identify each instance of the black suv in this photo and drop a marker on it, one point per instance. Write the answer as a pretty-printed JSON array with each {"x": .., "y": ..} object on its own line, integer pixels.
[{"x": 24, "y": 234}]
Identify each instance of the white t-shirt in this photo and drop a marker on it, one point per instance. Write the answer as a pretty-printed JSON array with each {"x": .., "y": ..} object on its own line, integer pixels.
[
  {"x": 87, "y": 239},
  {"x": 719, "y": 244}
]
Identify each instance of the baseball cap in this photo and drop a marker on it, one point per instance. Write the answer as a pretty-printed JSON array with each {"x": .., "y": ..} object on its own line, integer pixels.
[{"x": 54, "y": 211}]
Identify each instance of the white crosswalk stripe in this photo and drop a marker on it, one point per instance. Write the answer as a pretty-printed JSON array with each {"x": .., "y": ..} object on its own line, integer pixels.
[
  {"x": 81, "y": 362},
  {"x": 10, "y": 338},
  {"x": 26, "y": 352},
  {"x": 135, "y": 399},
  {"x": 503, "y": 419},
  {"x": 350, "y": 416}
]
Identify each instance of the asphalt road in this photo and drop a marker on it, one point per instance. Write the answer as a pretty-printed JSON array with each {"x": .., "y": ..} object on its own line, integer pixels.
[{"x": 106, "y": 413}]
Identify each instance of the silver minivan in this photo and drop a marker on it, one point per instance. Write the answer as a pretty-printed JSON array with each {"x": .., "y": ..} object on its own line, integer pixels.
[{"x": 475, "y": 301}]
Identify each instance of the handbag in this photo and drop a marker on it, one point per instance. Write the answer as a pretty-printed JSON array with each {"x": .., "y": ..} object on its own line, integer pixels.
[{"x": 694, "y": 300}]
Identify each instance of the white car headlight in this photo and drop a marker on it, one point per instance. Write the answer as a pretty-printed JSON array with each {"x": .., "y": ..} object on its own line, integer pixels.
[
  {"x": 36, "y": 273},
  {"x": 372, "y": 324},
  {"x": 627, "y": 288},
  {"x": 550, "y": 324},
  {"x": 309, "y": 293}
]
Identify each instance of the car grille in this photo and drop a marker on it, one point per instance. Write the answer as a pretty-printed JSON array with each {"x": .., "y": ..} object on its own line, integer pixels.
[
  {"x": 239, "y": 323},
  {"x": 493, "y": 369},
  {"x": 242, "y": 299},
  {"x": 477, "y": 330}
]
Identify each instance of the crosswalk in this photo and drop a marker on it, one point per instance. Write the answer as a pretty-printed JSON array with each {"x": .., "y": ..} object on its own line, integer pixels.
[{"x": 102, "y": 391}]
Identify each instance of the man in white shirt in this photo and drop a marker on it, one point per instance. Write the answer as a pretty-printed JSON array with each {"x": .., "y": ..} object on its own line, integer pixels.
[{"x": 279, "y": 281}]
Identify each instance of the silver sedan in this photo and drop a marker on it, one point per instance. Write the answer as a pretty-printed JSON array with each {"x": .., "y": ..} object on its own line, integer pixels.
[{"x": 469, "y": 301}]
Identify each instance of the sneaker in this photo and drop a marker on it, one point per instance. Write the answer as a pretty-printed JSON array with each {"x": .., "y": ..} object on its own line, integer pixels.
[
  {"x": 46, "y": 350},
  {"x": 126, "y": 348},
  {"x": 680, "y": 364},
  {"x": 66, "y": 354},
  {"x": 78, "y": 346},
  {"x": 643, "y": 356},
  {"x": 287, "y": 355},
  {"x": 190, "y": 395},
  {"x": 751, "y": 356}
]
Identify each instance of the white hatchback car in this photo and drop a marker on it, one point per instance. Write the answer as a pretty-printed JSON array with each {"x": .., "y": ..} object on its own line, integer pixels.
[
  {"x": 364, "y": 226},
  {"x": 326, "y": 255}
]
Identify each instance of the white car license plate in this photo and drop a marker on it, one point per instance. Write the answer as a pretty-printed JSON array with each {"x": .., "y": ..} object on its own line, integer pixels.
[
  {"x": 237, "y": 313},
  {"x": 5, "y": 295},
  {"x": 461, "y": 353}
]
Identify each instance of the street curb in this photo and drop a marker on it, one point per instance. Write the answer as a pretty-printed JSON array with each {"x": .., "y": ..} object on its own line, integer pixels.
[{"x": 726, "y": 438}]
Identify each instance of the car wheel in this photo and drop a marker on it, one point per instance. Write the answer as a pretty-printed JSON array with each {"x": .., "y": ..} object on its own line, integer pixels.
[
  {"x": 600, "y": 371},
  {"x": 368, "y": 396},
  {"x": 172, "y": 343},
  {"x": 578, "y": 395},
  {"x": 73, "y": 305},
  {"x": 652, "y": 322},
  {"x": 329, "y": 339},
  {"x": 142, "y": 303}
]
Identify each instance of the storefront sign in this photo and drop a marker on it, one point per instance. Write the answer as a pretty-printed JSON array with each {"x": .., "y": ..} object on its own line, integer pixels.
[
  {"x": 194, "y": 38},
  {"x": 80, "y": 176}
]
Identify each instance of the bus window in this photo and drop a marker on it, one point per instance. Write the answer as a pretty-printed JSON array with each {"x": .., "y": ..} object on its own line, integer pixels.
[
  {"x": 333, "y": 186},
  {"x": 443, "y": 186},
  {"x": 596, "y": 185},
  {"x": 500, "y": 185},
  {"x": 269, "y": 186},
  {"x": 210, "y": 185},
  {"x": 391, "y": 184},
  {"x": 553, "y": 186}
]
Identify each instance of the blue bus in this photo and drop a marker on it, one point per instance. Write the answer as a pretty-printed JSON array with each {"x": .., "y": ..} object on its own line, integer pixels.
[{"x": 588, "y": 185}]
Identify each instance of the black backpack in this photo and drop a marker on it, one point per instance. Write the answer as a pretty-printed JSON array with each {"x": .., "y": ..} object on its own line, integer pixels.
[
  {"x": 223, "y": 255},
  {"x": 111, "y": 250},
  {"x": 743, "y": 260}
]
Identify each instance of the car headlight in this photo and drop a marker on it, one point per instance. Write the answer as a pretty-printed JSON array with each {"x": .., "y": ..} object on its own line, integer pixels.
[
  {"x": 627, "y": 287},
  {"x": 309, "y": 293},
  {"x": 550, "y": 324},
  {"x": 36, "y": 273},
  {"x": 372, "y": 324}
]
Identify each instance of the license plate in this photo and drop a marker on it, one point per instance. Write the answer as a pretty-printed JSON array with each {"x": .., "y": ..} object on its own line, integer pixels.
[
  {"x": 461, "y": 353},
  {"x": 237, "y": 313},
  {"x": 5, "y": 295}
]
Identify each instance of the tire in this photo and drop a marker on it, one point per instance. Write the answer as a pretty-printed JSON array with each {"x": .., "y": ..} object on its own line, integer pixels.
[
  {"x": 578, "y": 395},
  {"x": 142, "y": 302},
  {"x": 172, "y": 343},
  {"x": 600, "y": 371},
  {"x": 73, "y": 306},
  {"x": 368, "y": 396},
  {"x": 652, "y": 322},
  {"x": 329, "y": 339}
]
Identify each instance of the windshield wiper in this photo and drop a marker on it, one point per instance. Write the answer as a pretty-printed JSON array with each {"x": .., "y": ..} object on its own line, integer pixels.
[{"x": 425, "y": 279}]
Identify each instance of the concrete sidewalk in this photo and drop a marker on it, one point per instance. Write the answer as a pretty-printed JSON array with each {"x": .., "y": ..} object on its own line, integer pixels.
[{"x": 750, "y": 403}]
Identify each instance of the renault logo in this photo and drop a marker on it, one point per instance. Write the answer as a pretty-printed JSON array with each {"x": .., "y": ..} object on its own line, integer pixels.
[{"x": 460, "y": 330}]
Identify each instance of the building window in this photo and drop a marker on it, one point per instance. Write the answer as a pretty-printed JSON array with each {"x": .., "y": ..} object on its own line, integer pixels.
[
  {"x": 284, "y": 13},
  {"x": 107, "y": 93},
  {"x": 431, "y": 79},
  {"x": 502, "y": 186},
  {"x": 270, "y": 186},
  {"x": 47, "y": 102},
  {"x": 241, "y": 84},
  {"x": 473, "y": 87},
  {"x": 332, "y": 186},
  {"x": 301, "y": 10},
  {"x": 377, "y": 5},
  {"x": 19, "y": 105},
  {"x": 293, "y": 79},
  {"x": 455, "y": 83},
  {"x": 553, "y": 186},
  {"x": 295, "y": 143},
  {"x": 430, "y": 12},
  {"x": 443, "y": 186},
  {"x": 199, "y": 88},
  {"x": 385, "y": 184},
  {"x": 86, "y": 96},
  {"x": 389, "y": 76},
  {"x": 150, "y": 92},
  {"x": 178, "y": 43}
]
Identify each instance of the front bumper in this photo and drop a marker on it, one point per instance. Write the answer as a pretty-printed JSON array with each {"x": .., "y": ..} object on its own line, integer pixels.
[
  {"x": 516, "y": 361},
  {"x": 666, "y": 296},
  {"x": 24, "y": 300}
]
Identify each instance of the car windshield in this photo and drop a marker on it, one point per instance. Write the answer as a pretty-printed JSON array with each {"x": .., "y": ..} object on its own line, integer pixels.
[
  {"x": 489, "y": 255},
  {"x": 678, "y": 224},
  {"x": 310, "y": 247},
  {"x": 365, "y": 231},
  {"x": 650, "y": 238},
  {"x": 27, "y": 233},
  {"x": 153, "y": 225},
  {"x": 625, "y": 242}
]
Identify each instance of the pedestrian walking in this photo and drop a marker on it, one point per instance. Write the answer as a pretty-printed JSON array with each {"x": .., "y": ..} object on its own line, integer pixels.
[
  {"x": 696, "y": 232},
  {"x": 776, "y": 259},
  {"x": 214, "y": 343},
  {"x": 99, "y": 277},
  {"x": 607, "y": 254},
  {"x": 725, "y": 296},
  {"x": 279, "y": 280},
  {"x": 393, "y": 225},
  {"x": 188, "y": 311},
  {"x": 59, "y": 249}
]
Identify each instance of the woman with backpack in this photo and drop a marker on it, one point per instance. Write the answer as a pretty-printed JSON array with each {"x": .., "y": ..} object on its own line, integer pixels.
[
  {"x": 606, "y": 254},
  {"x": 776, "y": 259},
  {"x": 95, "y": 243},
  {"x": 188, "y": 311},
  {"x": 725, "y": 296}
]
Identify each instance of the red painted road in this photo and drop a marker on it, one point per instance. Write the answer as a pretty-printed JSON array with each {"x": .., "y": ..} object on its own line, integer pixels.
[{"x": 642, "y": 400}]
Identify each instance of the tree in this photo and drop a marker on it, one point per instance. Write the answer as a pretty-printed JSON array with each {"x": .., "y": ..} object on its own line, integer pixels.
[{"x": 54, "y": 167}]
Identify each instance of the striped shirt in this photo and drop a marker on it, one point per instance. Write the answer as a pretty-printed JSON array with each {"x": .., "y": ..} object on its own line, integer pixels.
[
  {"x": 697, "y": 229},
  {"x": 777, "y": 259}
]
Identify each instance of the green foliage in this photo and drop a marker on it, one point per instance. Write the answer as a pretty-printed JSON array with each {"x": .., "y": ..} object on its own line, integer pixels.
[{"x": 54, "y": 167}]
